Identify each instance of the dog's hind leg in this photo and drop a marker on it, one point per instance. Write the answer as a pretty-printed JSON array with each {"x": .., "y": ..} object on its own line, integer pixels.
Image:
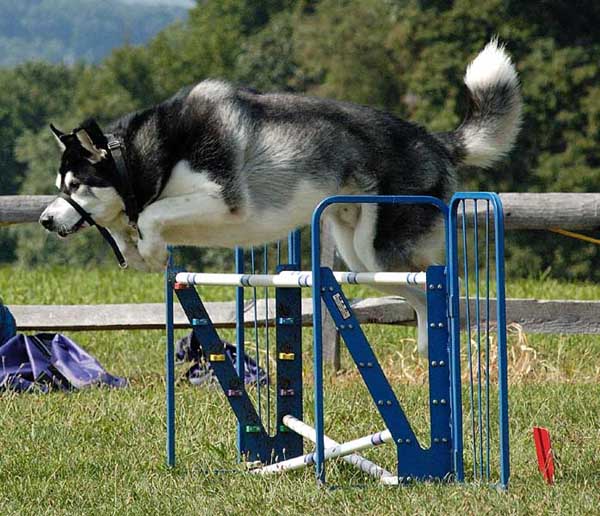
[
  {"x": 342, "y": 229},
  {"x": 354, "y": 234},
  {"x": 418, "y": 300},
  {"x": 364, "y": 239}
]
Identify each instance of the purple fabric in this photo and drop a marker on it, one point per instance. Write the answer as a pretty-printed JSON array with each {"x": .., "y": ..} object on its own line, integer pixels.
[
  {"x": 8, "y": 327},
  {"x": 189, "y": 349},
  {"x": 46, "y": 361}
]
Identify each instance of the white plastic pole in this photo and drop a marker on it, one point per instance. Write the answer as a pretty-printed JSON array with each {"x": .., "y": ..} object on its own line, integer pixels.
[
  {"x": 331, "y": 452},
  {"x": 308, "y": 432},
  {"x": 295, "y": 279}
]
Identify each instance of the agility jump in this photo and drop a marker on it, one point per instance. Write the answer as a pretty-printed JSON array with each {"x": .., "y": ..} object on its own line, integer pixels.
[{"x": 444, "y": 459}]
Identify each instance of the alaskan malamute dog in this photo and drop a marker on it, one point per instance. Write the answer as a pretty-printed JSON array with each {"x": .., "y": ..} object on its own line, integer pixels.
[{"x": 219, "y": 165}]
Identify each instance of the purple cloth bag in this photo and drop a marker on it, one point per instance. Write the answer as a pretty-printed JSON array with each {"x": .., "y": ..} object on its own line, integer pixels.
[{"x": 46, "y": 361}]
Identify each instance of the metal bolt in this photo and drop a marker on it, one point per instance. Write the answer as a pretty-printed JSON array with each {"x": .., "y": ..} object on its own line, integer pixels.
[
  {"x": 442, "y": 363},
  {"x": 443, "y": 401},
  {"x": 440, "y": 286},
  {"x": 350, "y": 327},
  {"x": 440, "y": 325},
  {"x": 342, "y": 327},
  {"x": 407, "y": 441},
  {"x": 436, "y": 440},
  {"x": 330, "y": 289},
  {"x": 399, "y": 441},
  {"x": 323, "y": 289},
  {"x": 361, "y": 364},
  {"x": 444, "y": 440},
  {"x": 379, "y": 402},
  {"x": 432, "y": 325},
  {"x": 369, "y": 364},
  {"x": 431, "y": 287},
  {"x": 433, "y": 363},
  {"x": 435, "y": 402},
  {"x": 388, "y": 402},
  {"x": 408, "y": 479}
]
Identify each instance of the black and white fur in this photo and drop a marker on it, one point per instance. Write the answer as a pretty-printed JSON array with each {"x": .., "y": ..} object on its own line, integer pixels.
[{"x": 218, "y": 165}]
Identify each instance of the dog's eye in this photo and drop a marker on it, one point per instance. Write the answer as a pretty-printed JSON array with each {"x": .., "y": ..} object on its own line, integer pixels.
[{"x": 74, "y": 185}]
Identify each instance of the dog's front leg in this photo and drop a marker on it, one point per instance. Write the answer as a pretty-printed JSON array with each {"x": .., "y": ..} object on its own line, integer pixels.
[
  {"x": 151, "y": 246},
  {"x": 126, "y": 239},
  {"x": 161, "y": 221}
]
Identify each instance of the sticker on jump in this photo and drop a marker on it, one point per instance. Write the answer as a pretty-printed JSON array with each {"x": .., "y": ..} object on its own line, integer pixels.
[{"x": 341, "y": 306}]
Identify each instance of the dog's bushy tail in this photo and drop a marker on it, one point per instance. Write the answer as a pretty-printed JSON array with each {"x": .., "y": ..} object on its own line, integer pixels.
[{"x": 492, "y": 124}]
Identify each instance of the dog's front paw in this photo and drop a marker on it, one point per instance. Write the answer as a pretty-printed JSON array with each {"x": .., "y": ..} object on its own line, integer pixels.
[
  {"x": 132, "y": 256},
  {"x": 137, "y": 263},
  {"x": 154, "y": 255}
]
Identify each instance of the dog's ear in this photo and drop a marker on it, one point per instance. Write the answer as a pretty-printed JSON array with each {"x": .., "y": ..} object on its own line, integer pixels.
[
  {"x": 95, "y": 133},
  {"x": 58, "y": 135},
  {"x": 85, "y": 139}
]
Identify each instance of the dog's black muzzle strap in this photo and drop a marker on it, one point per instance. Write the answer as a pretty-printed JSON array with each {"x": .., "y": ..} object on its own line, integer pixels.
[{"x": 85, "y": 216}]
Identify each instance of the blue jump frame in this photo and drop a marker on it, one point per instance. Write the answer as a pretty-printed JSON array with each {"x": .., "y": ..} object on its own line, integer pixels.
[{"x": 445, "y": 458}]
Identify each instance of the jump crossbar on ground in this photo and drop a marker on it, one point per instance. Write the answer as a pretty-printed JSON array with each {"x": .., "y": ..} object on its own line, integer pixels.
[
  {"x": 295, "y": 279},
  {"x": 365, "y": 465},
  {"x": 332, "y": 451}
]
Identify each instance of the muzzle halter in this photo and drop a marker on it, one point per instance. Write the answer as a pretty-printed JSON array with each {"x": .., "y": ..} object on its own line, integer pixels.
[{"x": 86, "y": 217}]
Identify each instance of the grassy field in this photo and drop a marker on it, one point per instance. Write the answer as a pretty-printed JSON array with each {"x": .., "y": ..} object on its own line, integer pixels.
[{"x": 101, "y": 451}]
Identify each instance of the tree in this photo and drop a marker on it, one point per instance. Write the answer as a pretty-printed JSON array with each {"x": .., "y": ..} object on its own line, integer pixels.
[{"x": 406, "y": 56}]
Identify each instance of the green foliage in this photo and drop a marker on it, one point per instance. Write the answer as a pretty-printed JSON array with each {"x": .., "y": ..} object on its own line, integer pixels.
[
  {"x": 30, "y": 94},
  {"x": 268, "y": 58},
  {"x": 407, "y": 57}
]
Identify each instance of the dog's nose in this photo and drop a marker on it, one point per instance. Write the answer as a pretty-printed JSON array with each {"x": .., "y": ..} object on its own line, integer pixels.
[{"x": 47, "y": 221}]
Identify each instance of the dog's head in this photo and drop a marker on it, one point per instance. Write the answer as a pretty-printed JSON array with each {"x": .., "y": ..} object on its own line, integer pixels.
[{"x": 86, "y": 175}]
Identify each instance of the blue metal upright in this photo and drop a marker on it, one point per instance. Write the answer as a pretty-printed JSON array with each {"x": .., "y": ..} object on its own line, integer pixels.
[
  {"x": 170, "y": 361},
  {"x": 294, "y": 249},
  {"x": 414, "y": 462},
  {"x": 240, "y": 342},
  {"x": 255, "y": 442},
  {"x": 411, "y": 462},
  {"x": 481, "y": 426}
]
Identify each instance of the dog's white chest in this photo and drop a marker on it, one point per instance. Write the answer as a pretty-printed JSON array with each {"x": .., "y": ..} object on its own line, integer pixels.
[{"x": 192, "y": 211}]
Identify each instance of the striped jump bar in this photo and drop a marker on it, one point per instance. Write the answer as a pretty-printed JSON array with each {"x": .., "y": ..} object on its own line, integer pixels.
[{"x": 295, "y": 279}]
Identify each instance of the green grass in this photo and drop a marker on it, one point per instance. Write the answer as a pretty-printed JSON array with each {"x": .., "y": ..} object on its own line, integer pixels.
[{"x": 101, "y": 451}]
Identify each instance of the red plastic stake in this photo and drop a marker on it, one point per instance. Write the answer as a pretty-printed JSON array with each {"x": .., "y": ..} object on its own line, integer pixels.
[{"x": 543, "y": 448}]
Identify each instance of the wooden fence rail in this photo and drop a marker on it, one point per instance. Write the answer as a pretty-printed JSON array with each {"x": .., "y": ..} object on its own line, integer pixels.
[
  {"x": 533, "y": 315},
  {"x": 20, "y": 209},
  {"x": 521, "y": 210}
]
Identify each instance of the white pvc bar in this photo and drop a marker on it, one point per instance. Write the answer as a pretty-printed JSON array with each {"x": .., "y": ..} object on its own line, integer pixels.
[
  {"x": 295, "y": 279},
  {"x": 308, "y": 432},
  {"x": 331, "y": 452}
]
